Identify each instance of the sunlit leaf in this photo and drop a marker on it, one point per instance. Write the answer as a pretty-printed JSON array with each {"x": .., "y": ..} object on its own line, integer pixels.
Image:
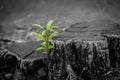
[
  {"x": 52, "y": 35},
  {"x": 39, "y": 36},
  {"x": 46, "y": 36},
  {"x": 38, "y": 25},
  {"x": 40, "y": 48},
  {"x": 49, "y": 24},
  {"x": 50, "y": 40},
  {"x": 51, "y": 47},
  {"x": 43, "y": 32},
  {"x": 43, "y": 44},
  {"x": 39, "y": 39}
]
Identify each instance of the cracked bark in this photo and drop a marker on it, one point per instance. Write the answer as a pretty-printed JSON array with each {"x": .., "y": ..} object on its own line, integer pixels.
[{"x": 71, "y": 60}]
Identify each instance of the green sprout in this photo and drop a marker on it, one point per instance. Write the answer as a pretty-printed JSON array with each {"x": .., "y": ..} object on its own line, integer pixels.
[{"x": 46, "y": 36}]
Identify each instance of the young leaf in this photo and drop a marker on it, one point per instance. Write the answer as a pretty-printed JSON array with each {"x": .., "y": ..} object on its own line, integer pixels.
[
  {"x": 52, "y": 35},
  {"x": 38, "y": 25},
  {"x": 54, "y": 27},
  {"x": 43, "y": 32},
  {"x": 40, "y": 48},
  {"x": 48, "y": 43},
  {"x": 51, "y": 46},
  {"x": 49, "y": 24},
  {"x": 43, "y": 44},
  {"x": 40, "y": 37},
  {"x": 46, "y": 36}
]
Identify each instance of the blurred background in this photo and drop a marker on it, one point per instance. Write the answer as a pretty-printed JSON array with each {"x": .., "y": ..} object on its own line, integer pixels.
[{"x": 17, "y": 17}]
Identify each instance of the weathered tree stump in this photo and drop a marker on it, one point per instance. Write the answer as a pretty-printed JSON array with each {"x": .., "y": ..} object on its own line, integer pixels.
[
  {"x": 23, "y": 62},
  {"x": 114, "y": 54},
  {"x": 8, "y": 63},
  {"x": 70, "y": 60},
  {"x": 114, "y": 50},
  {"x": 88, "y": 60}
]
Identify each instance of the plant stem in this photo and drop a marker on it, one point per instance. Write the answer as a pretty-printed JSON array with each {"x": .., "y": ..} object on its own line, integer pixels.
[
  {"x": 47, "y": 42},
  {"x": 47, "y": 51}
]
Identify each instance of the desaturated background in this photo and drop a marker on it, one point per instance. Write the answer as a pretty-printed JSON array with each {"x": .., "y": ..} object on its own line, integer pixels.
[{"x": 17, "y": 16}]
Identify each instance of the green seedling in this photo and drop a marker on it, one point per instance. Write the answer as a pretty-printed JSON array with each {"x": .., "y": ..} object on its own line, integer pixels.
[{"x": 47, "y": 35}]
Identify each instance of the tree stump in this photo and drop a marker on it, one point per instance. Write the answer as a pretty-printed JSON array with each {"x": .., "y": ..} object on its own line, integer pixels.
[
  {"x": 88, "y": 60},
  {"x": 23, "y": 62},
  {"x": 69, "y": 60}
]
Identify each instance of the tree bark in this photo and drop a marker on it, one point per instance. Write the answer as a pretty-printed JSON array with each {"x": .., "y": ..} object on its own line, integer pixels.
[
  {"x": 70, "y": 60},
  {"x": 87, "y": 60}
]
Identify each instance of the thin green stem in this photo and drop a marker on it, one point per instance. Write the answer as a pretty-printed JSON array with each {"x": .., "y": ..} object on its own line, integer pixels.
[
  {"x": 47, "y": 41},
  {"x": 47, "y": 49}
]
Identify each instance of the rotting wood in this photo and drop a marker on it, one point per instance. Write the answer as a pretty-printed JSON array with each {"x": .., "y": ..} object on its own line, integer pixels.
[
  {"x": 88, "y": 59},
  {"x": 93, "y": 60}
]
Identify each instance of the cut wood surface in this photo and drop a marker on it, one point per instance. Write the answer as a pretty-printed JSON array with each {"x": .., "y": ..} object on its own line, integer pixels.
[{"x": 71, "y": 60}]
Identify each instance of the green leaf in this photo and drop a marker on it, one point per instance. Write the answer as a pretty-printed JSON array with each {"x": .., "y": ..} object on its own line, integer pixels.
[
  {"x": 40, "y": 48},
  {"x": 51, "y": 47},
  {"x": 38, "y": 25},
  {"x": 39, "y": 36},
  {"x": 43, "y": 32},
  {"x": 49, "y": 24},
  {"x": 43, "y": 44},
  {"x": 39, "y": 39},
  {"x": 52, "y": 35},
  {"x": 48, "y": 44},
  {"x": 54, "y": 27}
]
